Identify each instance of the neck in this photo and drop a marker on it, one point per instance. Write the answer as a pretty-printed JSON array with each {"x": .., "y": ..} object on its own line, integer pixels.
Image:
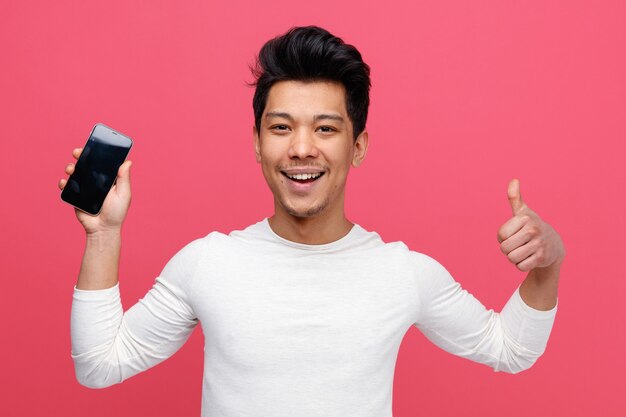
[{"x": 316, "y": 230}]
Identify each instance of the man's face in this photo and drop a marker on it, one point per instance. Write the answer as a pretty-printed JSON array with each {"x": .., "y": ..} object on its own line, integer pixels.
[{"x": 306, "y": 147}]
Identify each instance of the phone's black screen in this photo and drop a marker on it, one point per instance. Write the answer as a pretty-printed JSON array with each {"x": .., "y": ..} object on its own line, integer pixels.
[{"x": 96, "y": 169}]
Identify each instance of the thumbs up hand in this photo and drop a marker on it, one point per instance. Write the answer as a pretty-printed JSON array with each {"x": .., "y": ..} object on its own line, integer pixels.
[{"x": 525, "y": 239}]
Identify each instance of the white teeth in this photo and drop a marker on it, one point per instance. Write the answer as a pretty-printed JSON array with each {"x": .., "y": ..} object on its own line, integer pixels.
[{"x": 304, "y": 176}]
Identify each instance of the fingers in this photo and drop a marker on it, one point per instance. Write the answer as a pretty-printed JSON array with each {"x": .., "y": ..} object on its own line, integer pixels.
[
  {"x": 521, "y": 244},
  {"x": 517, "y": 234},
  {"x": 519, "y": 237},
  {"x": 522, "y": 252},
  {"x": 516, "y": 240},
  {"x": 76, "y": 152},
  {"x": 69, "y": 168},
  {"x": 527, "y": 264},
  {"x": 524, "y": 249},
  {"x": 515, "y": 197},
  {"x": 123, "y": 177},
  {"x": 512, "y": 226}
]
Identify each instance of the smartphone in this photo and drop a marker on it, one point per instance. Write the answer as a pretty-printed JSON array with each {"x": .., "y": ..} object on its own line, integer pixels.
[{"x": 96, "y": 169}]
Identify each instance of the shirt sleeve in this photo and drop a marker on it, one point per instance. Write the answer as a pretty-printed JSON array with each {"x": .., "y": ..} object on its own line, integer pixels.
[
  {"x": 451, "y": 318},
  {"x": 110, "y": 345}
]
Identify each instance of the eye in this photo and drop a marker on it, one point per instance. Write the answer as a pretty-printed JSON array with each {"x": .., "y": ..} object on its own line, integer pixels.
[
  {"x": 280, "y": 128},
  {"x": 327, "y": 129}
]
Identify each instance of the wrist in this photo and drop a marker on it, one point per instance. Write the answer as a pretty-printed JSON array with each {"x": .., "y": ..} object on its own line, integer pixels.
[
  {"x": 548, "y": 273},
  {"x": 102, "y": 240},
  {"x": 104, "y": 233}
]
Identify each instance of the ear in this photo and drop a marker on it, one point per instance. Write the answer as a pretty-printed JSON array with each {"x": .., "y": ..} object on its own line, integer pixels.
[
  {"x": 360, "y": 148},
  {"x": 257, "y": 144}
]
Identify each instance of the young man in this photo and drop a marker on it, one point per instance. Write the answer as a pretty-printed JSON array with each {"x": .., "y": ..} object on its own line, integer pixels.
[{"x": 303, "y": 313}]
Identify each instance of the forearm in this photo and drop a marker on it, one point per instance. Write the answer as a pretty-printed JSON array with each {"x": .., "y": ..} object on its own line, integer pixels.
[
  {"x": 100, "y": 265},
  {"x": 95, "y": 324},
  {"x": 539, "y": 289}
]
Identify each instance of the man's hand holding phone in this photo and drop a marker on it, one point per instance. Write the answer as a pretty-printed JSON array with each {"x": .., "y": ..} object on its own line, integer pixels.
[{"x": 115, "y": 204}]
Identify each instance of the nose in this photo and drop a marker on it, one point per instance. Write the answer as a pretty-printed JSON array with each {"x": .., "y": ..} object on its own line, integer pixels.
[{"x": 303, "y": 145}]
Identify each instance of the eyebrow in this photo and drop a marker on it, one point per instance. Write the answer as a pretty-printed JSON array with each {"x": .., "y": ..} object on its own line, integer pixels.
[
  {"x": 335, "y": 117},
  {"x": 271, "y": 114},
  {"x": 316, "y": 118}
]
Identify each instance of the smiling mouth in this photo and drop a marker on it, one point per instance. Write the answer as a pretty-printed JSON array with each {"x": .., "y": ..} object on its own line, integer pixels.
[{"x": 304, "y": 178}]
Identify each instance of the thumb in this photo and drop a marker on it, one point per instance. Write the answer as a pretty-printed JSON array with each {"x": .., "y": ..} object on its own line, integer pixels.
[
  {"x": 515, "y": 198},
  {"x": 123, "y": 177}
]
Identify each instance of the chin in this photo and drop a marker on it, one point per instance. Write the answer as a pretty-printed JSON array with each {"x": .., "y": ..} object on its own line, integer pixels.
[{"x": 305, "y": 212}]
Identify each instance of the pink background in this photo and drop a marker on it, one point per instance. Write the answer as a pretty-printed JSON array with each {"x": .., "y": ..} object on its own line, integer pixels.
[{"x": 466, "y": 95}]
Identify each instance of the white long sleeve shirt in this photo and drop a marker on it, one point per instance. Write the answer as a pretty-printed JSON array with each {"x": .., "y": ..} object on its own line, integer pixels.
[{"x": 294, "y": 329}]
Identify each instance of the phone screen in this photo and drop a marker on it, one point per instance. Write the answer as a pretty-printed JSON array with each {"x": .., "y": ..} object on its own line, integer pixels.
[{"x": 96, "y": 169}]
